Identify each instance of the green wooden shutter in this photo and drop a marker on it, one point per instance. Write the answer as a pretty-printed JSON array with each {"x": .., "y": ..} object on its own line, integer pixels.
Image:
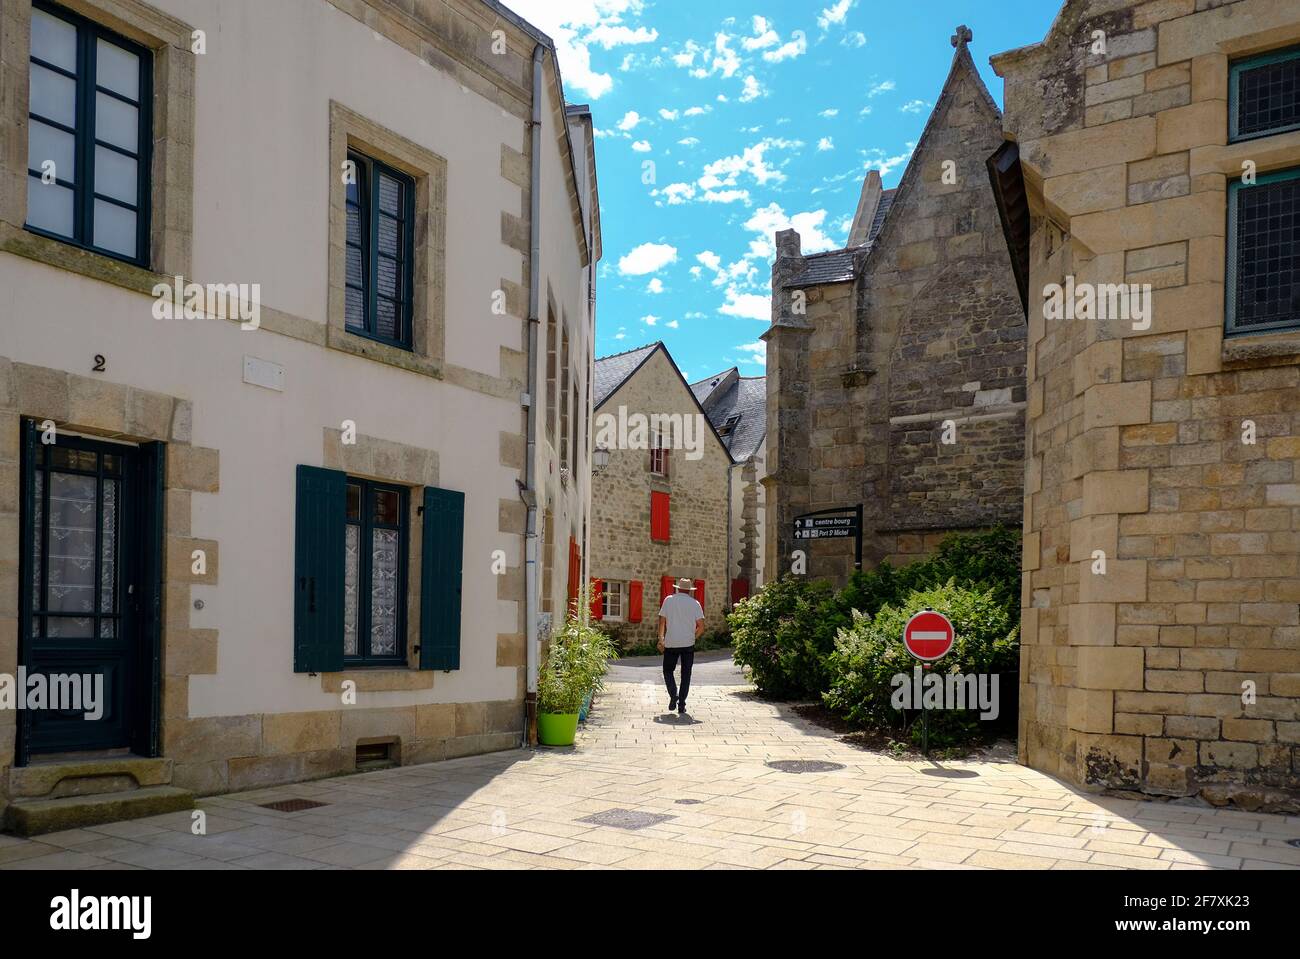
[
  {"x": 318, "y": 571},
  {"x": 146, "y": 737},
  {"x": 440, "y": 569}
]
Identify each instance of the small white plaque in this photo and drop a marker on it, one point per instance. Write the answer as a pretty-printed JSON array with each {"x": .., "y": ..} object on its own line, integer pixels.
[{"x": 264, "y": 373}]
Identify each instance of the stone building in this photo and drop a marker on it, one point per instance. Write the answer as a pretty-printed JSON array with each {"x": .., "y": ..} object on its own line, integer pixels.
[
  {"x": 1154, "y": 145},
  {"x": 737, "y": 407},
  {"x": 269, "y": 519},
  {"x": 659, "y": 508},
  {"x": 895, "y": 367}
]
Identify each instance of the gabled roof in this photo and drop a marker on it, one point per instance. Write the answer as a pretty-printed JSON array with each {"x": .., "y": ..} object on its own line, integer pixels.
[
  {"x": 709, "y": 386},
  {"x": 837, "y": 266},
  {"x": 613, "y": 371},
  {"x": 744, "y": 400}
]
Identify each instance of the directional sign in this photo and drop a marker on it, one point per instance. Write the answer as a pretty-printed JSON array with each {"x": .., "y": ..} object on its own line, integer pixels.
[
  {"x": 826, "y": 527},
  {"x": 928, "y": 635}
]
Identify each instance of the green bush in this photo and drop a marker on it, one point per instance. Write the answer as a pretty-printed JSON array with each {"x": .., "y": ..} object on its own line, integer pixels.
[
  {"x": 784, "y": 633},
  {"x": 870, "y": 652}
]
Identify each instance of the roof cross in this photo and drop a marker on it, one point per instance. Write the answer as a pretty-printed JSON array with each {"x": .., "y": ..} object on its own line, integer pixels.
[{"x": 962, "y": 37}]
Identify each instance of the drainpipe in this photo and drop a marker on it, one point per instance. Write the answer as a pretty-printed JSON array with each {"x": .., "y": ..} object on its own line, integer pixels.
[{"x": 529, "y": 492}]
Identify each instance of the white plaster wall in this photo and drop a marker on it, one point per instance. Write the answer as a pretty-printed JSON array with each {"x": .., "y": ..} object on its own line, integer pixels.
[{"x": 261, "y": 215}]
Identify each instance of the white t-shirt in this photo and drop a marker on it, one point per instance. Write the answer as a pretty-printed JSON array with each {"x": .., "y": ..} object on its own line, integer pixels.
[{"x": 682, "y": 611}]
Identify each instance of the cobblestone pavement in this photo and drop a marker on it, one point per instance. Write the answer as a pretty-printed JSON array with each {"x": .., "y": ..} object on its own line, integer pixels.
[{"x": 715, "y": 802}]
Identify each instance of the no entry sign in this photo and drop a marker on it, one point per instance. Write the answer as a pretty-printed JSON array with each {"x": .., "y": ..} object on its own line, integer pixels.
[{"x": 928, "y": 635}]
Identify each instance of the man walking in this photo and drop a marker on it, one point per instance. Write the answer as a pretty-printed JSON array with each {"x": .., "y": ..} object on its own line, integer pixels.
[{"x": 681, "y": 620}]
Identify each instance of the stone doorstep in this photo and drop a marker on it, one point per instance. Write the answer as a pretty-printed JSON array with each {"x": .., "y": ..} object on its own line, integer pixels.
[
  {"x": 34, "y": 817},
  {"x": 87, "y": 777}
]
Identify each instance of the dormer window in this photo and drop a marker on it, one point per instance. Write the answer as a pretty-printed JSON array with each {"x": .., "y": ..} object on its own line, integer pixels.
[{"x": 729, "y": 426}]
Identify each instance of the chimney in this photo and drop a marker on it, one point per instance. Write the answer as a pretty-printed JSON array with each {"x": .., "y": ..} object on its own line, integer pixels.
[
  {"x": 868, "y": 203},
  {"x": 788, "y": 264}
]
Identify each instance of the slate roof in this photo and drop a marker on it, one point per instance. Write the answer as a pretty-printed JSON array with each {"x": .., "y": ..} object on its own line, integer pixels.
[
  {"x": 833, "y": 267},
  {"x": 746, "y": 397},
  {"x": 613, "y": 371},
  {"x": 886, "y": 201}
]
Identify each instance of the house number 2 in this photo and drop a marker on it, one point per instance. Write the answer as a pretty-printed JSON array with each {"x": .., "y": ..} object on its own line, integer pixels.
[{"x": 99, "y": 366}]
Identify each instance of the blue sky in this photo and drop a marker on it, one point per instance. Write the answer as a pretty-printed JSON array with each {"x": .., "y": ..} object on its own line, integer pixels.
[{"x": 756, "y": 117}]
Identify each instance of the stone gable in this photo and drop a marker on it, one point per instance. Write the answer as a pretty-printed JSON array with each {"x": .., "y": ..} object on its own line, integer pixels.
[{"x": 923, "y": 342}]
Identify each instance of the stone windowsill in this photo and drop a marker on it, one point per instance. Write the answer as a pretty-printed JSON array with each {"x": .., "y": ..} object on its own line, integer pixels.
[
  {"x": 382, "y": 353},
  {"x": 396, "y": 679},
  {"x": 1261, "y": 346}
]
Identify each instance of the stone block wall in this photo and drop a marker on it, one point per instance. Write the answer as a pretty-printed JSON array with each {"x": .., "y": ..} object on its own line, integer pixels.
[{"x": 1174, "y": 668}]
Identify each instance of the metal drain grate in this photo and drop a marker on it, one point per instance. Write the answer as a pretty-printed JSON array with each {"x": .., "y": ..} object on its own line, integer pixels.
[
  {"x": 626, "y": 819},
  {"x": 804, "y": 765},
  {"x": 689, "y": 802},
  {"x": 951, "y": 773},
  {"x": 293, "y": 805}
]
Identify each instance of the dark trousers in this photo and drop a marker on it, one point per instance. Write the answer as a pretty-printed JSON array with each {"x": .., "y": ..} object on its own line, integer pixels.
[{"x": 687, "y": 656}]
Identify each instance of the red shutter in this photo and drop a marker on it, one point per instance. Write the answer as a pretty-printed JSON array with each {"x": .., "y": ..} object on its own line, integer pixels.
[
  {"x": 597, "y": 597},
  {"x": 699, "y": 592},
  {"x": 575, "y": 570},
  {"x": 660, "y": 511},
  {"x": 634, "y": 601},
  {"x": 665, "y": 589},
  {"x": 739, "y": 589}
]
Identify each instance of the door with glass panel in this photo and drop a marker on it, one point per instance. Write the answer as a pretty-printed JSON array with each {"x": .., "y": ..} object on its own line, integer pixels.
[{"x": 81, "y": 593}]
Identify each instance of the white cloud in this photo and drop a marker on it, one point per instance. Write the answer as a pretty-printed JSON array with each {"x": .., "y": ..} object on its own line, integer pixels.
[
  {"x": 751, "y": 306},
  {"x": 678, "y": 193},
  {"x": 725, "y": 196},
  {"x": 753, "y": 89},
  {"x": 696, "y": 111},
  {"x": 829, "y": 113},
  {"x": 620, "y": 334},
  {"x": 655, "y": 285},
  {"x": 914, "y": 106},
  {"x": 696, "y": 316},
  {"x": 650, "y": 320},
  {"x": 667, "y": 114},
  {"x": 641, "y": 146},
  {"x": 688, "y": 141},
  {"x": 614, "y": 36},
  {"x": 647, "y": 258},
  {"x": 825, "y": 143},
  {"x": 576, "y": 25},
  {"x": 855, "y": 38},
  {"x": 878, "y": 88},
  {"x": 797, "y": 46},
  {"x": 629, "y": 121},
  {"x": 757, "y": 352},
  {"x": 865, "y": 111},
  {"x": 834, "y": 15},
  {"x": 768, "y": 220},
  {"x": 672, "y": 324},
  {"x": 709, "y": 259},
  {"x": 764, "y": 36},
  {"x": 725, "y": 60}
]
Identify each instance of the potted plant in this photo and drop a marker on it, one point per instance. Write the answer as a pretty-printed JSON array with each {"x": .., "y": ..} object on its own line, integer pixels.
[
  {"x": 561, "y": 689},
  {"x": 572, "y": 674}
]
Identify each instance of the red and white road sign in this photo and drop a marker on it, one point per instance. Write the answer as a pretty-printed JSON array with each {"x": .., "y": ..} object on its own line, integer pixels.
[{"x": 928, "y": 635}]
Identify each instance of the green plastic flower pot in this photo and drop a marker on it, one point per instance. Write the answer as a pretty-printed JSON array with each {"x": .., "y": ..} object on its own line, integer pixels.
[{"x": 557, "y": 729}]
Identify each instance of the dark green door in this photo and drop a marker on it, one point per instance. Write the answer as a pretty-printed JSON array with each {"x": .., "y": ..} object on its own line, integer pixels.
[{"x": 84, "y": 611}]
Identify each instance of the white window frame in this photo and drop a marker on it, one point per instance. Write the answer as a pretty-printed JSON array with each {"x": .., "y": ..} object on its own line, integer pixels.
[{"x": 614, "y": 590}]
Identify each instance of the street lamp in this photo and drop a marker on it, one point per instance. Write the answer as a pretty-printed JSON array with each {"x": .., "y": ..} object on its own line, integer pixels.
[{"x": 599, "y": 460}]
